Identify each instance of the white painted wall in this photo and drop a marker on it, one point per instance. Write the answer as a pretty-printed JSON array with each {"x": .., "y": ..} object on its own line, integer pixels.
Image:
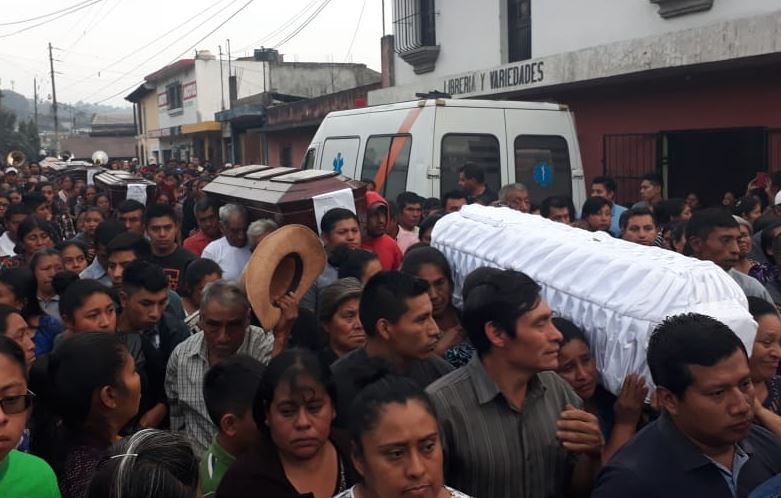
[
  {"x": 189, "y": 111},
  {"x": 568, "y": 25},
  {"x": 472, "y": 33},
  {"x": 469, "y": 33}
]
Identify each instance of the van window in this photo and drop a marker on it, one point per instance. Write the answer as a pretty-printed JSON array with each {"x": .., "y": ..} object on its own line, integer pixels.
[
  {"x": 458, "y": 149},
  {"x": 341, "y": 155},
  {"x": 309, "y": 159},
  {"x": 542, "y": 164},
  {"x": 383, "y": 150}
]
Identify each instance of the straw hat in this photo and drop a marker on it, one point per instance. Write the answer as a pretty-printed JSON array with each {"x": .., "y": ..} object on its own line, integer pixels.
[{"x": 289, "y": 259}]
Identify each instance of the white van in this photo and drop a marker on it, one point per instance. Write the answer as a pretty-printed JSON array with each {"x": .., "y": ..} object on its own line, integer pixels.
[{"x": 420, "y": 146}]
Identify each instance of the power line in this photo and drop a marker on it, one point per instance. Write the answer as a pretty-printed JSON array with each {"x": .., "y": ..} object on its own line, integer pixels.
[
  {"x": 95, "y": 21},
  {"x": 304, "y": 24},
  {"x": 185, "y": 51},
  {"x": 355, "y": 33},
  {"x": 60, "y": 16},
  {"x": 152, "y": 42},
  {"x": 22, "y": 21},
  {"x": 280, "y": 28}
]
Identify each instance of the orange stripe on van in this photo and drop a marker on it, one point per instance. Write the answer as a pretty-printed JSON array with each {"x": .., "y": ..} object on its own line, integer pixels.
[{"x": 397, "y": 145}]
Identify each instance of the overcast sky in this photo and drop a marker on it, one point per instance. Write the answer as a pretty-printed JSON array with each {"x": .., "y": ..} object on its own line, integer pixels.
[{"x": 101, "y": 48}]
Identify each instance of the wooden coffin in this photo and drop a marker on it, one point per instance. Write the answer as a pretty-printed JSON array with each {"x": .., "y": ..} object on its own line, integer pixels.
[
  {"x": 115, "y": 184},
  {"x": 77, "y": 170},
  {"x": 282, "y": 194}
]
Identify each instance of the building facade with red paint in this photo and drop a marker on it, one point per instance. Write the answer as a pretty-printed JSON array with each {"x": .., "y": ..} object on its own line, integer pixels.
[{"x": 685, "y": 88}]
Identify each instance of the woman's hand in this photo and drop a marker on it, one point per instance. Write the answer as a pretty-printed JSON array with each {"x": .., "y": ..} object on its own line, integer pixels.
[{"x": 629, "y": 405}]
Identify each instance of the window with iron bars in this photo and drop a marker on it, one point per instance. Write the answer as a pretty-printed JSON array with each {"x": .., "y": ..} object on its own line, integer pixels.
[{"x": 414, "y": 24}]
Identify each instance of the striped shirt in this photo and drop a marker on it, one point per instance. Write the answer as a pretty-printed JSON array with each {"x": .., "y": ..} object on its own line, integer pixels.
[
  {"x": 495, "y": 450},
  {"x": 184, "y": 383}
]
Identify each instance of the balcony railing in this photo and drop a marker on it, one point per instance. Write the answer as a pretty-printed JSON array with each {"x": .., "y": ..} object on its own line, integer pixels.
[{"x": 414, "y": 28}]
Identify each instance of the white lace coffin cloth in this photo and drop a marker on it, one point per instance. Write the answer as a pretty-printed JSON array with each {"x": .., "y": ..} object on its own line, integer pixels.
[{"x": 617, "y": 291}]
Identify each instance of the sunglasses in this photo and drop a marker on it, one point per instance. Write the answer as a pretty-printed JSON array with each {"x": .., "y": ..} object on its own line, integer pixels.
[{"x": 12, "y": 405}]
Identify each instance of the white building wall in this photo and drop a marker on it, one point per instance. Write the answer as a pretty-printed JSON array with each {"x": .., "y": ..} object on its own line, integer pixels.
[
  {"x": 472, "y": 34},
  {"x": 568, "y": 25},
  {"x": 189, "y": 111}
]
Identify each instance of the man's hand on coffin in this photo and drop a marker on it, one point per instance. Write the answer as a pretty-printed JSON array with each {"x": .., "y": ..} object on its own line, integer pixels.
[
  {"x": 629, "y": 405},
  {"x": 578, "y": 431}
]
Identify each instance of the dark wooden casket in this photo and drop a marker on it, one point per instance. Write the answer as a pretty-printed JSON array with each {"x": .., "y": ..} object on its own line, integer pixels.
[
  {"x": 115, "y": 183},
  {"x": 78, "y": 170},
  {"x": 282, "y": 194}
]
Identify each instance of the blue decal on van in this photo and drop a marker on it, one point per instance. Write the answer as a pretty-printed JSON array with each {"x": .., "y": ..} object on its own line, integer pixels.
[
  {"x": 338, "y": 163},
  {"x": 543, "y": 174}
]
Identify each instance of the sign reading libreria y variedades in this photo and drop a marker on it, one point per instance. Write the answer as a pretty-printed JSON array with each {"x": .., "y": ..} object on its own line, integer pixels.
[{"x": 505, "y": 78}]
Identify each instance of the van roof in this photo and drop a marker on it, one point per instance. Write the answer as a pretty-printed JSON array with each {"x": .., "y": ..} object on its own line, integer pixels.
[{"x": 484, "y": 104}]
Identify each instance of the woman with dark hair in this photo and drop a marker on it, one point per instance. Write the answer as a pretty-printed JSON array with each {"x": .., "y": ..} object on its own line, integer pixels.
[
  {"x": 339, "y": 321},
  {"x": 597, "y": 212},
  {"x": 396, "y": 444},
  {"x": 45, "y": 264},
  {"x": 90, "y": 391},
  {"x": 429, "y": 264},
  {"x": 18, "y": 289},
  {"x": 74, "y": 255},
  {"x": 760, "y": 194},
  {"x": 103, "y": 202},
  {"x": 67, "y": 195},
  {"x": 32, "y": 234},
  {"x": 299, "y": 453},
  {"x": 21, "y": 475},
  {"x": 766, "y": 356},
  {"x": 427, "y": 226},
  {"x": 13, "y": 325},
  {"x": 618, "y": 417},
  {"x": 672, "y": 211},
  {"x": 149, "y": 463},
  {"x": 356, "y": 263},
  {"x": 197, "y": 274},
  {"x": 86, "y": 305},
  {"x": 748, "y": 208},
  {"x": 93, "y": 217}
]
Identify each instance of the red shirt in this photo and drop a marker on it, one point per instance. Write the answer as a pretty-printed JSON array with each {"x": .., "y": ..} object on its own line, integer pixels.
[
  {"x": 386, "y": 249},
  {"x": 196, "y": 243}
]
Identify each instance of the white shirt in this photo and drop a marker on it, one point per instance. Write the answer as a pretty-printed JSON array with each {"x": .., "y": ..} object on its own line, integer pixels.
[
  {"x": 231, "y": 259},
  {"x": 7, "y": 245}
]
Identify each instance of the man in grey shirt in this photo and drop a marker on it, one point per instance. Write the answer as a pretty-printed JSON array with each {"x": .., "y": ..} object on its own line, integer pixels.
[
  {"x": 712, "y": 234},
  {"x": 511, "y": 428}
]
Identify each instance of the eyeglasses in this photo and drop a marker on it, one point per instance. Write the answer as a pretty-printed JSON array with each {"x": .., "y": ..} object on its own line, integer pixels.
[{"x": 12, "y": 405}]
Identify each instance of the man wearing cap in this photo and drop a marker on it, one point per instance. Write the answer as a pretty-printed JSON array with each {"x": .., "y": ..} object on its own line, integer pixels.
[
  {"x": 377, "y": 240},
  {"x": 396, "y": 313},
  {"x": 231, "y": 251},
  {"x": 225, "y": 331},
  {"x": 12, "y": 176}
]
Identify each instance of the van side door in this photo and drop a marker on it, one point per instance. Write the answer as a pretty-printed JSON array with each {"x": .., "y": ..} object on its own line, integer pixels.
[{"x": 469, "y": 134}]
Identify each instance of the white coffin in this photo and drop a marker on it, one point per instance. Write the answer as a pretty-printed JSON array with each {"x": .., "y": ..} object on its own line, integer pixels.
[{"x": 617, "y": 291}]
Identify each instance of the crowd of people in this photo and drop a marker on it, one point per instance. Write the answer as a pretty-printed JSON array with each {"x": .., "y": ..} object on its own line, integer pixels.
[{"x": 132, "y": 365}]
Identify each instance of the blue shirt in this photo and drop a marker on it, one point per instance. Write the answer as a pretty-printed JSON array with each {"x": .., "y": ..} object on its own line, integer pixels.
[
  {"x": 660, "y": 461},
  {"x": 95, "y": 271},
  {"x": 739, "y": 459},
  {"x": 616, "y": 215}
]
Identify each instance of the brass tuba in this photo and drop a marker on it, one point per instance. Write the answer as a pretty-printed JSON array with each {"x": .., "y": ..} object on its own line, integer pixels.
[
  {"x": 99, "y": 158},
  {"x": 15, "y": 158}
]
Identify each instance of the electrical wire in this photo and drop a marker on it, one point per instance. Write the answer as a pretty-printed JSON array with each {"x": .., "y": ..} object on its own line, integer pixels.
[
  {"x": 304, "y": 24},
  {"x": 280, "y": 28},
  {"x": 355, "y": 33},
  {"x": 42, "y": 16},
  {"x": 95, "y": 22},
  {"x": 244, "y": 6},
  {"x": 136, "y": 51},
  {"x": 60, "y": 16}
]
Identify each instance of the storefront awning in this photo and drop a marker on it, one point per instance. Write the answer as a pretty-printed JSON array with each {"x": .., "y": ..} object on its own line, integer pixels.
[{"x": 205, "y": 126}]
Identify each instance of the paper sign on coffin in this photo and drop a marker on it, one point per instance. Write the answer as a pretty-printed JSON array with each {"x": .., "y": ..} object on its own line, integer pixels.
[{"x": 617, "y": 291}]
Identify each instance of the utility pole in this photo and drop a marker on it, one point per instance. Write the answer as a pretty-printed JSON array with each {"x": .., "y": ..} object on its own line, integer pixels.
[
  {"x": 383, "y": 18},
  {"x": 222, "y": 81},
  {"x": 35, "y": 100},
  {"x": 229, "y": 58},
  {"x": 54, "y": 103}
]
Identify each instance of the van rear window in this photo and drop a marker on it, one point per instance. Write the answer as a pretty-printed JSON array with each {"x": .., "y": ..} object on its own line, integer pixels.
[
  {"x": 386, "y": 162},
  {"x": 542, "y": 164},
  {"x": 458, "y": 149}
]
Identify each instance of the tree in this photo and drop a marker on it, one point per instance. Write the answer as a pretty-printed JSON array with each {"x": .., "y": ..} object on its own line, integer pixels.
[{"x": 29, "y": 139}]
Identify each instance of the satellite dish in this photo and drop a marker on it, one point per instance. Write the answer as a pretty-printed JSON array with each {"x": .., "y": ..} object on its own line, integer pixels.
[{"x": 99, "y": 158}]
